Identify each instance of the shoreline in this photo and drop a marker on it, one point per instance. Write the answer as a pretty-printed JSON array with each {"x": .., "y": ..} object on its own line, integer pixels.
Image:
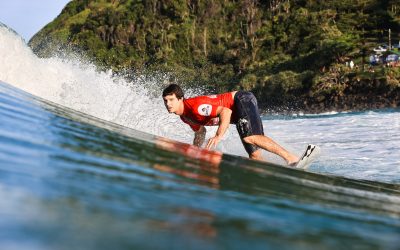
[
  {"x": 316, "y": 108},
  {"x": 352, "y": 92}
]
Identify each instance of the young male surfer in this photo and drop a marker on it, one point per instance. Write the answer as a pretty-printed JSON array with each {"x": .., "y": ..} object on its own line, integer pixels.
[{"x": 237, "y": 107}]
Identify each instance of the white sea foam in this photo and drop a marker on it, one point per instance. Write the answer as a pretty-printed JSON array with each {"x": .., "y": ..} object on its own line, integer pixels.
[
  {"x": 79, "y": 85},
  {"x": 363, "y": 145}
]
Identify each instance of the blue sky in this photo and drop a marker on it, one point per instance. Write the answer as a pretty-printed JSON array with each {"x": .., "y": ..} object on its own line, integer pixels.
[{"x": 27, "y": 17}]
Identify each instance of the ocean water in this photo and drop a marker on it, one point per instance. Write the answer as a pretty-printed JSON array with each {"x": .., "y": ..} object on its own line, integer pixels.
[{"x": 89, "y": 160}]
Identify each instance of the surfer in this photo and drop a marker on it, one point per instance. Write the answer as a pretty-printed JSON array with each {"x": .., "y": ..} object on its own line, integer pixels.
[{"x": 237, "y": 107}]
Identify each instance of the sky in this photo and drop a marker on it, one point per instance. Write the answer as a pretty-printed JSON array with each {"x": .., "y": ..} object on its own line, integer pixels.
[{"x": 27, "y": 17}]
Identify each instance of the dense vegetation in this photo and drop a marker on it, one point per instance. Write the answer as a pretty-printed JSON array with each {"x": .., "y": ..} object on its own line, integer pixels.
[{"x": 283, "y": 50}]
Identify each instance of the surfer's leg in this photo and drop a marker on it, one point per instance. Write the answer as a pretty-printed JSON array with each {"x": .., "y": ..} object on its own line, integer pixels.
[
  {"x": 251, "y": 131},
  {"x": 253, "y": 151},
  {"x": 256, "y": 155},
  {"x": 270, "y": 145}
]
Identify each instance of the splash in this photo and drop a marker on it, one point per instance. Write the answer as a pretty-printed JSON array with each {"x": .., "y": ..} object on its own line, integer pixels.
[{"x": 72, "y": 82}]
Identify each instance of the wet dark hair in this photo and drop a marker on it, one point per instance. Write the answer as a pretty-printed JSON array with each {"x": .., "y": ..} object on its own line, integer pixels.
[{"x": 173, "y": 89}]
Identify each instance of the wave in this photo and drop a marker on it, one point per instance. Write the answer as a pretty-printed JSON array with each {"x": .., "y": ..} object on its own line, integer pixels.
[{"x": 90, "y": 183}]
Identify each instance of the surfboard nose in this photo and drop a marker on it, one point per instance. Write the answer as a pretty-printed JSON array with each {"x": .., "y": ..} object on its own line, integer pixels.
[{"x": 309, "y": 155}]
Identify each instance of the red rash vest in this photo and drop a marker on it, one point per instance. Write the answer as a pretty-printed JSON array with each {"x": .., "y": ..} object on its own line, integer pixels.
[{"x": 202, "y": 110}]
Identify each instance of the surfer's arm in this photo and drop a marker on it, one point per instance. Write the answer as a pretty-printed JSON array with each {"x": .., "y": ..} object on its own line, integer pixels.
[
  {"x": 199, "y": 136},
  {"x": 224, "y": 121}
]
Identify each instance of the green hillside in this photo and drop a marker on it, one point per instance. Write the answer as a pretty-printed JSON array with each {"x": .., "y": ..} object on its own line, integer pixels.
[{"x": 283, "y": 50}]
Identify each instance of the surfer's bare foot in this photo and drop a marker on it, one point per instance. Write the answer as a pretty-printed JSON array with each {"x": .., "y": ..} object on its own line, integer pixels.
[{"x": 292, "y": 160}]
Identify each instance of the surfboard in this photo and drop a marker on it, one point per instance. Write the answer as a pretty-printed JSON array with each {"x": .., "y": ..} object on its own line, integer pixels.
[{"x": 308, "y": 156}]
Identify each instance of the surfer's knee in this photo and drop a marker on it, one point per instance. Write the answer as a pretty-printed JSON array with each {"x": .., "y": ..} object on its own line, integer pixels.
[{"x": 256, "y": 155}]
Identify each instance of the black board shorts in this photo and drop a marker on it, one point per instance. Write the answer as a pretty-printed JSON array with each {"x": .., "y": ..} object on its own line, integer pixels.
[{"x": 247, "y": 118}]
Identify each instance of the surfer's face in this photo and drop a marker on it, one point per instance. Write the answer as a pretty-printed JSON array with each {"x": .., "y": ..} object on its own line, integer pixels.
[{"x": 172, "y": 103}]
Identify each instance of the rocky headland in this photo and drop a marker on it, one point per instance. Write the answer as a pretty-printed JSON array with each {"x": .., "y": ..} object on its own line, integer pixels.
[{"x": 294, "y": 55}]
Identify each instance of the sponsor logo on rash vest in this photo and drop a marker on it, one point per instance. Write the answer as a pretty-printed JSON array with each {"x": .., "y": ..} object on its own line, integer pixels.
[{"x": 205, "y": 109}]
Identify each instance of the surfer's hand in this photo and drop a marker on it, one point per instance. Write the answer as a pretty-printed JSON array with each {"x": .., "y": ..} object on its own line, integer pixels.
[{"x": 212, "y": 142}]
